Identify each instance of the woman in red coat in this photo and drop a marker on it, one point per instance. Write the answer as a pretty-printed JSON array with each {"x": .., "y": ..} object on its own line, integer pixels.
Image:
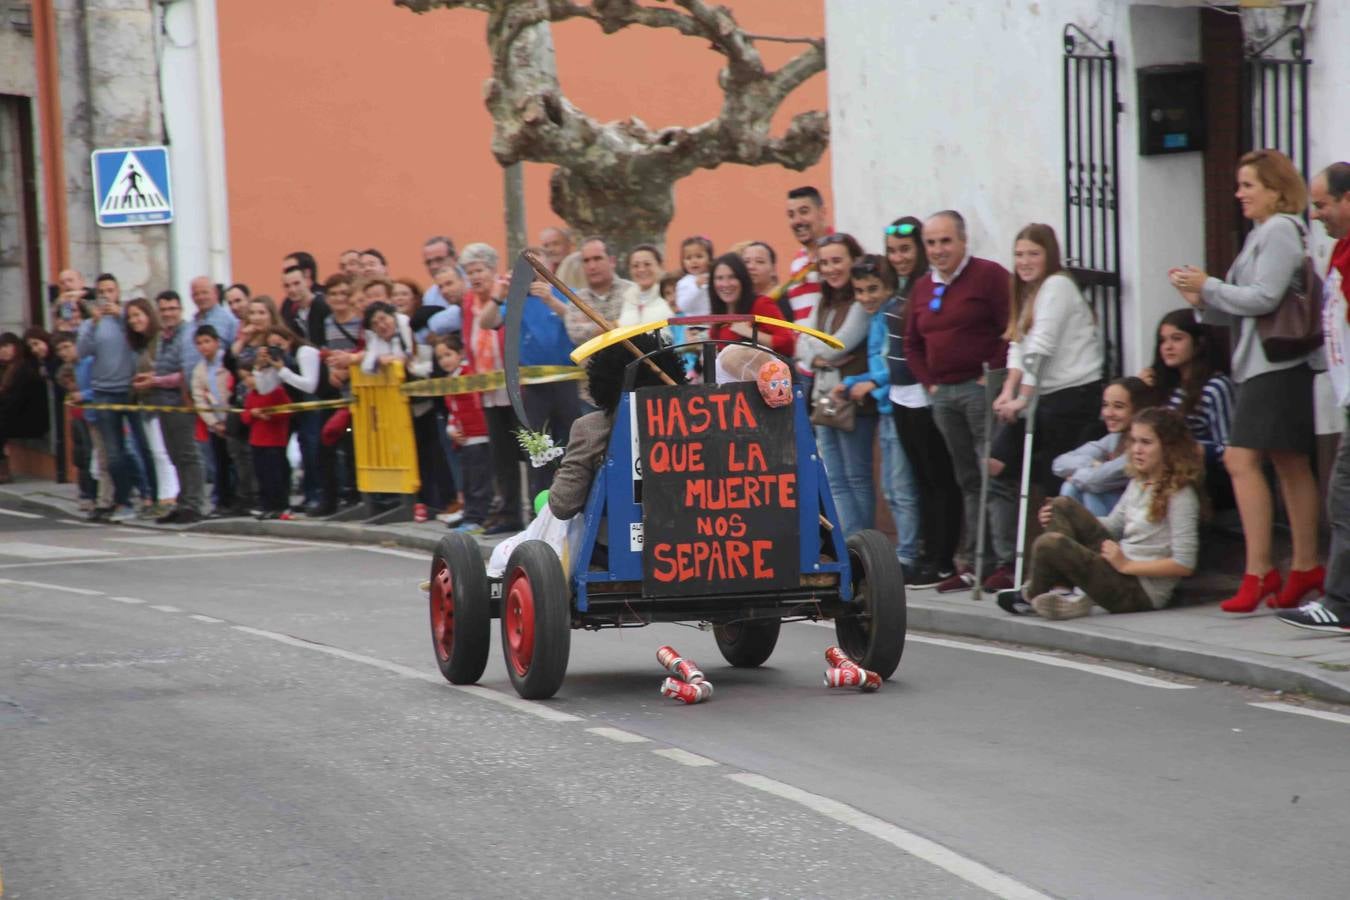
[{"x": 730, "y": 291}]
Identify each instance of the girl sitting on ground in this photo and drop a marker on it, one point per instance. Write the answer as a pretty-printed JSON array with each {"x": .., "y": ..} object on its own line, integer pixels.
[
  {"x": 1131, "y": 560},
  {"x": 1094, "y": 474}
]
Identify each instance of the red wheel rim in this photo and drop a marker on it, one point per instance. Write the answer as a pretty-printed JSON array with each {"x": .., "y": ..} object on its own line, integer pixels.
[
  {"x": 442, "y": 611},
  {"x": 518, "y": 615}
]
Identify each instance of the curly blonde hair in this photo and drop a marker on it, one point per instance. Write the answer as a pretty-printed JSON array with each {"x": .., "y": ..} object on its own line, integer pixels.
[{"x": 1181, "y": 460}]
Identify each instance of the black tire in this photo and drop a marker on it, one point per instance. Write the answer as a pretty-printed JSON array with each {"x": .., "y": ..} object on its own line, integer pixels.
[
  {"x": 874, "y": 637},
  {"x": 747, "y": 644},
  {"x": 461, "y": 621},
  {"x": 536, "y": 621}
]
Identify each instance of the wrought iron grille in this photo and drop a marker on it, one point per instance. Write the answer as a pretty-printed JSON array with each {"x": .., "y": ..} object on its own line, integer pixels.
[
  {"x": 1091, "y": 187},
  {"x": 1275, "y": 95}
]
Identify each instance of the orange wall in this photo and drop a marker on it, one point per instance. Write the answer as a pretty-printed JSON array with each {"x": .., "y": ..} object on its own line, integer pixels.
[{"x": 367, "y": 127}]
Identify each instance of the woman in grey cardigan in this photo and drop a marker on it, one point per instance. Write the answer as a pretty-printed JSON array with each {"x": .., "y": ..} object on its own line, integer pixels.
[{"x": 1274, "y": 416}]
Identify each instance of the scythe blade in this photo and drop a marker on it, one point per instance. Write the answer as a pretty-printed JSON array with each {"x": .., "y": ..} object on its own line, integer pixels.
[{"x": 522, "y": 276}]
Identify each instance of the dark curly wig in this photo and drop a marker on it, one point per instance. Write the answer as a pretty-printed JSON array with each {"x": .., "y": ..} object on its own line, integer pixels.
[{"x": 605, "y": 370}]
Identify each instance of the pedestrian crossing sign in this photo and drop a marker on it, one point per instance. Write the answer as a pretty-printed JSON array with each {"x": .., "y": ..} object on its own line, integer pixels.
[{"x": 131, "y": 186}]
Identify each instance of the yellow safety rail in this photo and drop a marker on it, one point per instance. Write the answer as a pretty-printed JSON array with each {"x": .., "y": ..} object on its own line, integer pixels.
[{"x": 386, "y": 453}]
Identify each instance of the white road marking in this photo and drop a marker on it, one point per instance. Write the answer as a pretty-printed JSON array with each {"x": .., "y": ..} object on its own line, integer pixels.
[
  {"x": 618, "y": 734},
  {"x": 209, "y": 620},
  {"x": 168, "y": 556},
  {"x": 126, "y": 599},
  {"x": 53, "y": 587},
  {"x": 19, "y": 515},
  {"x": 1044, "y": 659},
  {"x": 684, "y": 757},
  {"x": 1048, "y": 660},
  {"x": 47, "y": 551},
  {"x": 390, "y": 551},
  {"x": 527, "y": 706},
  {"x": 166, "y": 608},
  {"x": 1301, "y": 711},
  {"x": 82, "y": 524},
  {"x": 969, "y": 870},
  {"x": 180, "y": 542}
]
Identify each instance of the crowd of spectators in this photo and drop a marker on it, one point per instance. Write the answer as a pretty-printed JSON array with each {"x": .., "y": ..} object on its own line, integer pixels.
[{"x": 1125, "y": 466}]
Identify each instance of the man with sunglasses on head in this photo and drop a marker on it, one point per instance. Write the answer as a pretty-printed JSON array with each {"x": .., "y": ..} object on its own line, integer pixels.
[{"x": 958, "y": 313}]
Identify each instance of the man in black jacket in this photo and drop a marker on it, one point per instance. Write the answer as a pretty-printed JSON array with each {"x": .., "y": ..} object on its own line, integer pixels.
[{"x": 303, "y": 310}]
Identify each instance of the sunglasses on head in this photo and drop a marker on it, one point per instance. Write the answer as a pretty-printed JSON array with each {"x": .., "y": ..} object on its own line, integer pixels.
[
  {"x": 864, "y": 268},
  {"x": 936, "y": 303},
  {"x": 904, "y": 229},
  {"x": 829, "y": 239}
]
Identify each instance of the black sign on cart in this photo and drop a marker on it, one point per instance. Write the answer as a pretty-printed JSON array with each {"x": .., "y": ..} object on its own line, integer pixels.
[{"x": 720, "y": 492}]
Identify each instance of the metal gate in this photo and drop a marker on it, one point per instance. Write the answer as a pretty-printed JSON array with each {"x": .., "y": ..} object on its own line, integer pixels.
[
  {"x": 1275, "y": 96},
  {"x": 1091, "y": 189}
]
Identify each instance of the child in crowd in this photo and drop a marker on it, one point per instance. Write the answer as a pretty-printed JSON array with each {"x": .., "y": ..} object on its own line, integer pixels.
[
  {"x": 81, "y": 438},
  {"x": 691, "y": 292},
  {"x": 1190, "y": 376},
  {"x": 468, "y": 431},
  {"x": 874, "y": 286},
  {"x": 1131, "y": 560},
  {"x": 267, "y": 436},
  {"x": 235, "y": 491},
  {"x": 1094, "y": 474}
]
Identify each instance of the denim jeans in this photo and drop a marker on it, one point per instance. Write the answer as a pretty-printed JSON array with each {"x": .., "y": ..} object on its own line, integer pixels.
[
  {"x": 111, "y": 426},
  {"x": 848, "y": 465},
  {"x": 959, "y": 411},
  {"x": 902, "y": 495},
  {"x": 307, "y": 427},
  {"x": 1098, "y": 504}
]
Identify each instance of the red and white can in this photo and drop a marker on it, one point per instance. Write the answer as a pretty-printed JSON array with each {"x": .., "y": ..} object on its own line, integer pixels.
[
  {"x": 837, "y": 658},
  {"x": 685, "y": 692},
  {"x": 677, "y": 665},
  {"x": 852, "y": 676}
]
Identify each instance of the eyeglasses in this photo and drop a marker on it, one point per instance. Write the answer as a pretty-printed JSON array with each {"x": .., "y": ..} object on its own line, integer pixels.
[
  {"x": 936, "y": 303},
  {"x": 904, "y": 229}
]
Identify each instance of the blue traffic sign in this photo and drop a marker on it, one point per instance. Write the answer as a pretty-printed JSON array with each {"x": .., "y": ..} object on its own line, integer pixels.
[{"x": 131, "y": 186}]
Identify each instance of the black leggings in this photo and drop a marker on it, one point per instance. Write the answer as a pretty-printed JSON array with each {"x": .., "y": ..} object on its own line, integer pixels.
[{"x": 939, "y": 495}]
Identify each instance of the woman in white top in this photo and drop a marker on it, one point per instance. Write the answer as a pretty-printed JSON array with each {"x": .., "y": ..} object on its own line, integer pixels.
[
  {"x": 644, "y": 268},
  {"x": 1051, "y": 330}
]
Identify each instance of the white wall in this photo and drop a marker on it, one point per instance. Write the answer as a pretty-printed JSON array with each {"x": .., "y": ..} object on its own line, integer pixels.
[
  {"x": 190, "y": 83},
  {"x": 959, "y": 104}
]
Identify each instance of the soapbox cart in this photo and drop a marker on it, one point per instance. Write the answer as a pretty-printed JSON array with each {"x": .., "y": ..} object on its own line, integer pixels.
[{"x": 709, "y": 507}]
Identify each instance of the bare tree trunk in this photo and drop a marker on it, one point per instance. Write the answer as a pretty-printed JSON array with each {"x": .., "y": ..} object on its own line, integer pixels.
[
  {"x": 513, "y": 179},
  {"x": 621, "y": 207}
]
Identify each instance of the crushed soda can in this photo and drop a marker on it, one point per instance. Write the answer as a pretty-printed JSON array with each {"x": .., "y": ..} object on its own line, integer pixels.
[
  {"x": 852, "y": 676},
  {"x": 677, "y": 665},
  {"x": 685, "y": 692}
]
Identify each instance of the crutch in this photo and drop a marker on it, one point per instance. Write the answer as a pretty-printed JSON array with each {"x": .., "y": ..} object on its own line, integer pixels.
[
  {"x": 993, "y": 383},
  {"x": 1025, "y": 497}
]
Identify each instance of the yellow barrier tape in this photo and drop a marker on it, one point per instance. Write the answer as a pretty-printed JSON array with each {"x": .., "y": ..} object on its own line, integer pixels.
[
  {"x": 489, "y": 381},
  {"x": 147, "y": 407}
]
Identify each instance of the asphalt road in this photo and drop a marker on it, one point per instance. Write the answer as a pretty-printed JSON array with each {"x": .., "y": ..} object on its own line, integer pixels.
[{"x": 199, "y": 716}]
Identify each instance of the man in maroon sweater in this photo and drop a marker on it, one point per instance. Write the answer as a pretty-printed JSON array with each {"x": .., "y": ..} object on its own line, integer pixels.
[{"x": 959, "y": 311}]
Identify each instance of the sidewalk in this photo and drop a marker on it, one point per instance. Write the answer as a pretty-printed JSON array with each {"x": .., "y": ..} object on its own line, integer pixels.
[{"x": 1192, "y": 639}]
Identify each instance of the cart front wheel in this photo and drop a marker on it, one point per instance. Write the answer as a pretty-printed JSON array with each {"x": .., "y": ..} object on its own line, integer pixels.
[
  {"x": 460, "y": 619},
  {"x": 536, "y": 621},
  {"x": 747, "y": 644}
]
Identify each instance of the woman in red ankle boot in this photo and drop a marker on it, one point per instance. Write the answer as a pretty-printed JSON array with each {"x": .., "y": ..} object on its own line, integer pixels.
[{"x": 1274, "y": 415}]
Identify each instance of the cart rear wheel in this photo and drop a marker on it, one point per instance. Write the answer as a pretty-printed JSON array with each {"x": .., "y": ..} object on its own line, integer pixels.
[
  {"x": 874, "y": 636},
  {"x": 747, "y": 644},
  {"x": 460, "y": 619},
  {"x": 536, "y": 621}
]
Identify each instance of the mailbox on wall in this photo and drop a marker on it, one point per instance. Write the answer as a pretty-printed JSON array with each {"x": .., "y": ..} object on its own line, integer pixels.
[{"x": 1171, "y": 109}]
